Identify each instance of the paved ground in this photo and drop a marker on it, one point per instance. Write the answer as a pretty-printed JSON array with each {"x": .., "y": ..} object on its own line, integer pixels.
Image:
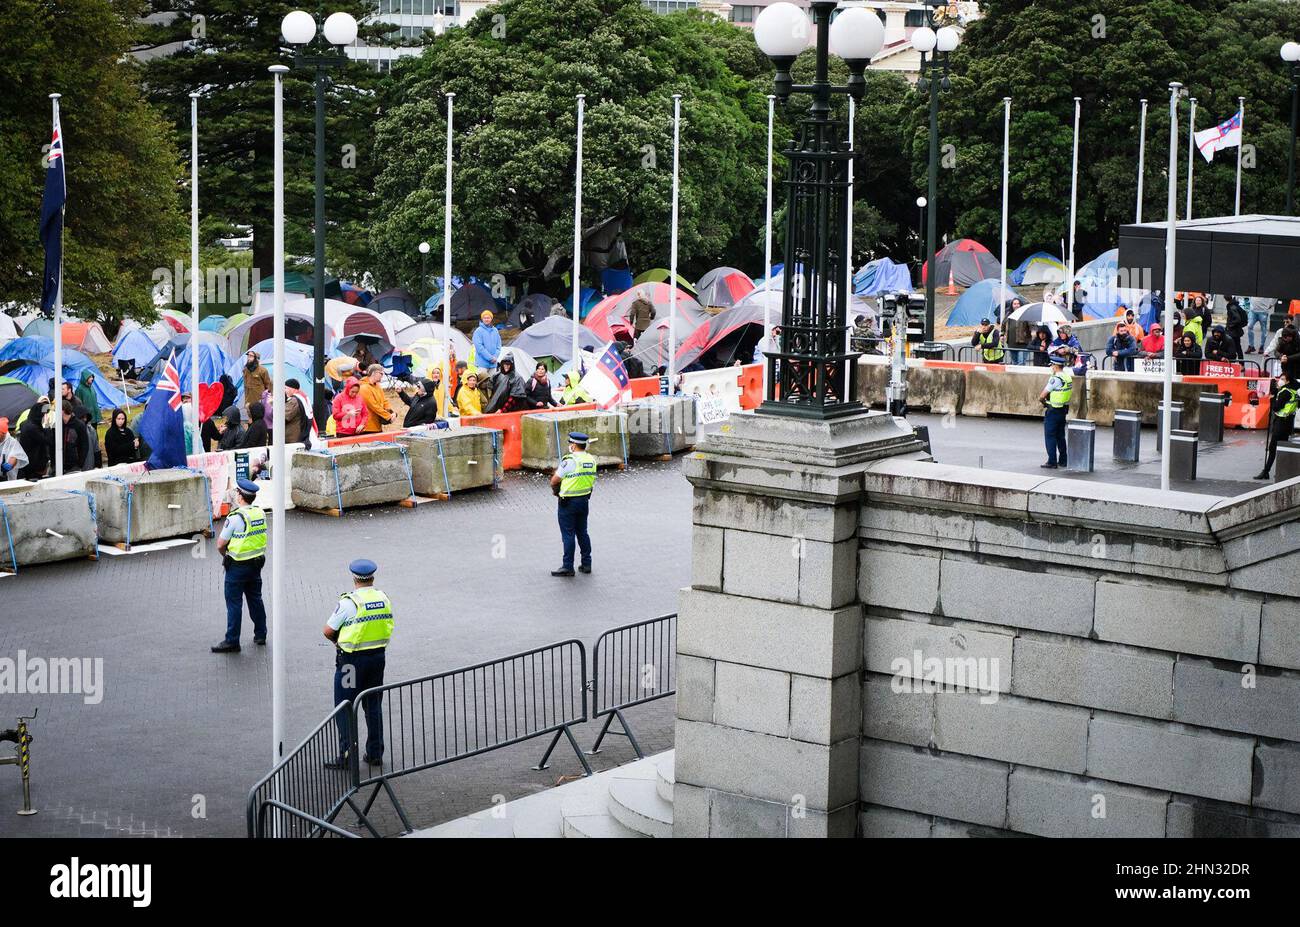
[{"x": 181, "y": 734}]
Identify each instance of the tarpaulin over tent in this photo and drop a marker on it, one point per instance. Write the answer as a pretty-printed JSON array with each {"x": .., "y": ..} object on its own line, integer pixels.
[
  {"x": 610, "y": 315},
  {"x": 723, "y": 286},
  {"x": 1100, "y": 278},
  {"x": 354, "y": 295},
  {"x": 984, "y": 300},
  {"x": 136, "y": 347},
  {"x": 395, "y": 298},
  {"x": 1039, "y": 267},
  {"x": 213, "y": 362},
  {"x": 31, "y": 360},
  {"x": 553, "y": 337},
  {"x": 729, "y": 335},
  {"x": 882, "y": 276},
  {"x": 964, "y": 262}
]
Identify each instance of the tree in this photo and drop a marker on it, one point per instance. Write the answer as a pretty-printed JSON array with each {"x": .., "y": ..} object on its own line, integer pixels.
[
  {"x": 516, "y": 69},
  {"x": 227, "y": 46},
  {"x": 122, "y": 218}
]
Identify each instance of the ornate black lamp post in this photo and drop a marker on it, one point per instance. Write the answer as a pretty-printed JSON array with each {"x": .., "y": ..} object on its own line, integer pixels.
[{"x": 813, "y": 375}]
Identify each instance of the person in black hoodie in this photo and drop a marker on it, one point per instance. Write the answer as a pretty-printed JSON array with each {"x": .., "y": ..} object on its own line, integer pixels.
[
  {"x": 232, "y": 436},
  {"x": 32, "y": 437},
  {"x": 120, "y": 442},
  {"x": 423, "y": 405},
  {"x": 507, "y": 388},
  {"x": 1219, "y": 347},
  {"x": 76, "y": 442},
  {"x": 1187, "y": 355},
  {"x": 256, "y": 434},
  {"x": 538, "y": 391},
  {"x": 1237, "y": 319},
  {"x": 209, "y": 432}
]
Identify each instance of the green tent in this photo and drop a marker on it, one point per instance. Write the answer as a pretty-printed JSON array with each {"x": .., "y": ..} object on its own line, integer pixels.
[
  {"x": 660, "y": 275},
  {"x": 295, "y": 282}
]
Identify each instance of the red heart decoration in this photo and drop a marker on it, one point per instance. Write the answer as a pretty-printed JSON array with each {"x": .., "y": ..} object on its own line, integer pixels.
[{"x": 210, "y": 400}]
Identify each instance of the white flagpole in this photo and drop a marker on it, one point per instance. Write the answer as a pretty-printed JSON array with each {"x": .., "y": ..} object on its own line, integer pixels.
[
  {"x": 1241, "y": 110},
  {"x": 1142, "y": 152},
  {"x": 1191, "y": 150},
  {"x": 767, "y": 252},
  {"x": 278, "y": 469},
  {"x": 848, "y": 237},
  {"x": 446, "y": 265},
  {"x": 1171, "y": 241},
  {"x": 1006, "y": 188},
  {"x": 577, "y": 239},
  {"x": 1074, "y": 208},
  {"x": 58, "y": 308},
  {"x": 672, "y": 257},
  {"x": 196, "y": 281}
]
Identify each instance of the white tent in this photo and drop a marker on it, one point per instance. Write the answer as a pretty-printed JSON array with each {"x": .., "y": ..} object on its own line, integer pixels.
[
  {"x": 437, "y": 332},
  {"x": 397, "y": 319},
  {"x": 8, "y": 329}
]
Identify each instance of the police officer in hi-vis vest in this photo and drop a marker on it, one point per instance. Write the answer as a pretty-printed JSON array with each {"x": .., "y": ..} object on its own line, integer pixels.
[
  {"x": 243, "y": 547},
  {"x": 1282, "y": 422},
  {"x": 361, "y": 627},
  {"x": 1055, "y": 399},
  {"x": 572, "y": 481}
]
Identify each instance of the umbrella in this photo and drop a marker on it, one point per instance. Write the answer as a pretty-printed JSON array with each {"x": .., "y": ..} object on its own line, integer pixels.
[
  {"x": 16, "y": 397},
  {"x": 553, "y": 337},
  {"x": 1041, "y": 313}
]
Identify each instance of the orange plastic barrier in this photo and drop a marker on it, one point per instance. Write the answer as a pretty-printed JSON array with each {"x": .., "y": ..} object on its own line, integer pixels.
[
  {"x": 962, "y": 365},
  {"x": 644, "y": 386},
  {"x": 512, "y": 457},
  {"x": 365, "y": 439},
  {"x": 751, "y": 386},
  {"x": 1240, "y": 412}
]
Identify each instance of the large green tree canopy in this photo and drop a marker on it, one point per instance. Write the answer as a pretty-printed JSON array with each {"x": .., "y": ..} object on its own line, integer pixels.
[
  {"x": 122, "y": 218},
  {"x": 516, "y": 69}
]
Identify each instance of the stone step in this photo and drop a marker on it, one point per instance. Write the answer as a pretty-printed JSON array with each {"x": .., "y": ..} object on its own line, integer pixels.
[
  {"x": 636, "y": 804},
  {"x": 589, "y": 817},
  {"x": 665, "y": 775}
]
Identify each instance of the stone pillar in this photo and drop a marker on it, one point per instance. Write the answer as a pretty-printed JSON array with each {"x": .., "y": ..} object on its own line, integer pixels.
[{"x": 769, "y": 647}]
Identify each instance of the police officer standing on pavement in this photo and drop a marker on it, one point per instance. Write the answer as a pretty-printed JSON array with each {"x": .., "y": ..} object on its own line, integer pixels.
[
  {"x": 1282, "y": 421},
  {"x": 572, "y": 481},
  {"x": 360, "y": 628},
  {"x": 1055, "y": 399},
  {"x": 243, "y": 547}
]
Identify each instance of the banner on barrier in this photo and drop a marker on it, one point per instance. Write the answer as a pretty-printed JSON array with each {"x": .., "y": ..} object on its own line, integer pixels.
[
  {"x": 1220, "y": 369},
  {"x": 1149, "y": 365}
]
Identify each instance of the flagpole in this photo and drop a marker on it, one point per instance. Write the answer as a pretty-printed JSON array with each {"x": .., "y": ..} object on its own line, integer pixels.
[
  {"x": 1142, "y": 152},
  {"x": 1074, "y": 210},
  {"x": 58, "y": 308},
  {"x": 1241, "y": 143},
  {"x": 1006, "y": 188},
  {"x": 767, "y": 251},
  {"x": 1171, "y": 241},
  {"x": 279, "y": 471},
  {"x": 196, "y": 281},
  {"x": 848, "y": 239},
  {"x": 672, "y": 257},
  {"x": 1191, "y": 150},
  {"x": 577, "y": 239},
  {"x": 446, "y": 262}
]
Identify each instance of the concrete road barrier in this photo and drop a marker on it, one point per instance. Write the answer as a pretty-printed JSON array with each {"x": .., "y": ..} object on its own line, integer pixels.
[
  {"x": 1142, "y": 392},
  {"x": 151, "y": 506},
  {"x": 444, "y": 461},
  {"x": 342, "y": 478},
  {"x": 44, "y": 525},
  {"x": 1014, "y": 391},
  {"x": 659, "y": 426},
  {"x": 545, "y": 437},
  {"x": 873, "y": 377},
  {"x": 939, "y": 389}
]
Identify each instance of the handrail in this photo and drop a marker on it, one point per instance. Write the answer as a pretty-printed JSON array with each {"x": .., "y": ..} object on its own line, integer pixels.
[{"x": 295, "y": 813}]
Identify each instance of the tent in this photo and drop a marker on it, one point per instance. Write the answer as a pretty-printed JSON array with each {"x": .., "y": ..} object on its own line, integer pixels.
[
  {"x": 212, "y": 323},
  {"x": 231, "y": 322},
  {"x": 39, "y": 328},
  {"x": 137, "y": 348},
  {"x": 609, "y": 317},
  {"x": 213, "y": 361},
  {"x": 159, "y": 332},
  {"x": 1100, "y": 278},
  {"x": 729, "y": 335},
  {"x": 467, "y": 302},
  {"x": 1039, "y": 267},
  {"x": 984, "y": 300},
  {"x": 553, "y": 337},
  {"x": 660, "y": 275},
  {"x": 882, "y": 276},
  {"x": 7, "y": 327},
  {"x": 354, "y": 295},
  {"x": 589, "y": 299},
  {"x": 31, "y": 360},
  {"x": 16, "y": 397},
  {"x": 300, "y": 284},
  {"x": 177, "y": 319},
  {"x": 434, "y": 331},
  {"x": 528, "y": 311},
  {"x": 964, "y": 262},
  {"x": 396, "y": 319},
  {"x": 298, "y": 326},
  {"x": 395, "y": 298},
  {"x": 723, "y": 286},
  {"x": 651, "y": 349}
]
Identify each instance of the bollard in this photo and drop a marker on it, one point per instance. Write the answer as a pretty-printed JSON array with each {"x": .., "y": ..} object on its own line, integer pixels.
[
  {"x": 25, "y": 761},
  {"x": 1080, "y": 444},
  {"x": 1175, "y": 422},
  {"x": 1210, "y": 419},
  {"x": 1182, "y": 455},
  {"x": 1288, "y": 460},
  {"x": 923, "y": 432},
  {"x": 1128, "y": 435}
]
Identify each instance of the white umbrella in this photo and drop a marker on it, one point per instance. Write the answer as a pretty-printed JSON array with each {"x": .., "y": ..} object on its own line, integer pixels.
[{"x": 1041, "y": 313}]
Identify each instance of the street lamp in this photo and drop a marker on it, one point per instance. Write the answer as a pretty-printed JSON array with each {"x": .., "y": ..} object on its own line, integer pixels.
[
  {"x": 812, "y": 375},
  {"x": 299, "y": 28},
  {"x": 920, "y": 232},
  {"x": 934, "y": 46},
  {"x": 1291, "y": 55},
  {"x": 424, "y": 271}
]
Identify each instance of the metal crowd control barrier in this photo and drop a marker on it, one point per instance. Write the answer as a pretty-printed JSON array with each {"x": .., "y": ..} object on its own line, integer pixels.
[
  {"x": 632, "y": 665},
  {"x": 464, "y": 712},
  {"x": 974, "y": 354}
]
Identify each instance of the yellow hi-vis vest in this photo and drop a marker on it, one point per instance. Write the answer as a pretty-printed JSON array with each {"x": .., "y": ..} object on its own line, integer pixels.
[
  {"x": 373, "y": 625},
  {"x": 1286, "y": 402},
  {"x": 992, "y": 353},
  {"x": 248, "y": 542},
  {"x": 1060, "y": 398},
  {"x": 581, "y": 481}
]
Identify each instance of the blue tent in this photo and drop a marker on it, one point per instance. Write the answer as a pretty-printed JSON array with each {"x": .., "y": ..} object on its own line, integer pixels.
[
  {"x": 1099, "y": 277},
  {"x": 983, "y": 300},
  {"x": 212, "y": 364},
  {"x": 615, "y": 280},
  {"x": 589, "y": 298},
  {"x": 40, "y": 328},
  {"x": 137, "y": 347},
  {"x": 297, "y": 364},
  {"x": 37, "y": 368},
  {"x": 213, "y": 323},
  {"x": 1039, "y": 267},
  {"x": 882, "y": 276}
]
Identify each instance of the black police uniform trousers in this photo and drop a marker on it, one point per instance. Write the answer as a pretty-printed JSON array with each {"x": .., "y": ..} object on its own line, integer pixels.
[
  {"x": 573, "y": 528},
  {"x": 354, "y": 673},
  {"x": 1279, "y": 429}
]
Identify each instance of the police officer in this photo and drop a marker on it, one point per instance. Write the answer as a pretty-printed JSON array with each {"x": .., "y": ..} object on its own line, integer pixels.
[
  {"x": 360, "y": 629},
  {"x": 1282, "y": 422},
  {"x": 243, "y": 547},
  {"x": 1055, "y": 399},
  {"x": 574, "y": 479}
]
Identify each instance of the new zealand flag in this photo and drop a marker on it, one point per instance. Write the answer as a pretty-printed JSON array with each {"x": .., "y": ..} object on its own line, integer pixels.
[{"x": 56, "y": 193}]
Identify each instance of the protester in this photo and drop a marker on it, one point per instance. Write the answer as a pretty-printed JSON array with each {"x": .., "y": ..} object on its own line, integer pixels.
[
  {"x": 537, "y": 393},
  {"x": 1153, "y": 345},
  {"x": 422, "y": 404},
  {"x": 31, "y": 435},
  {"x": 349, "y": 409},
  {"x": 256, "y": 434},
  {"x": 573, "y": 392},
  {"x": 257, "y": 379},
  {"x": 76, "y": 442},
  {"x": 1256, "y": 316},
  {"x": 1065, "y": 338},
  {"x": 363, "y": 356},
  {"x": 1132, "y": 325},
  {"x": 469, "y": 401},
  {"x": 641, "y": 313},
  {"x": 1219, "y": 347},
  {"x": 85, "y": 394},
  {"x": 1187, "y": 355},
  {"x": 1040, "y": 346},
  {"x": 487, "y": 342},
  {"x": 1236, "y": 326},
  {"x": 12, "y": 456},
  {"x": 1287, "y": 349},
  {"x": 439, "y": 394},
  {"x": 989, "y": 340},
  {"x": 1079, "y": 300},
  {"x": 1194, "y": 327},
  {"x": 209, "y": 434},
  {"x": 1121, "y": 347},
  {"x": 506, "y": 388},
  {"x": 233, "y": 430},
  {"x": 378, "y": 412},
  {"x": 120, "y": 442}
]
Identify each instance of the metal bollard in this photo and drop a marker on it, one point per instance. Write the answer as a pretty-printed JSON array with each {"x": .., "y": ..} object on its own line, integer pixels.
[
  {"x": 1128, "y": 435},
  {"x": 1080, "y": 445},
  {"x": 1288, "y": 460},
  {"x": 22, "y": 758},
  {"x": 1210, "y": 419},
  {"x": 1182, "y": 455},
  {"x": 1175, "y": 421},
  {"x": 923, "y": 432}
]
